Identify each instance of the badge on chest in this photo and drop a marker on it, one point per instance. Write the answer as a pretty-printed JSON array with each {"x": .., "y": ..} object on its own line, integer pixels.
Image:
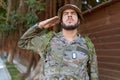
[{"x": 74, "y": 55}]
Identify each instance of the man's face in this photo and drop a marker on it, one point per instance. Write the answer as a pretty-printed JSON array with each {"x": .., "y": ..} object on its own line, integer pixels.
[{"x": 70, "y": 19}]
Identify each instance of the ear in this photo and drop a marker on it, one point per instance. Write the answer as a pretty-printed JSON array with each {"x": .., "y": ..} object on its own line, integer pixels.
[{"x": 78, "y": 21}]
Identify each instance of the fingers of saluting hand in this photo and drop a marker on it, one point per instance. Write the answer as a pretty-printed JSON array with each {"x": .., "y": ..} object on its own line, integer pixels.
[{"x": 49, "y": 22}]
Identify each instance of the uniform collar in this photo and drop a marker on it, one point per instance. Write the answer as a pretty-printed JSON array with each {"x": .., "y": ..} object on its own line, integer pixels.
[{"x": 62, "y": 38}]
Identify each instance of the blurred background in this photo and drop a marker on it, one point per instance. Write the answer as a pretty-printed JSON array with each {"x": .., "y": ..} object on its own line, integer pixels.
[{"x": 101, "y": 24}]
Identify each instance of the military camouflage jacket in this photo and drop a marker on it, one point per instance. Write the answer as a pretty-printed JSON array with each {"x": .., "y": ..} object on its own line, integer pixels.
[{"x": 63, "y": 60}]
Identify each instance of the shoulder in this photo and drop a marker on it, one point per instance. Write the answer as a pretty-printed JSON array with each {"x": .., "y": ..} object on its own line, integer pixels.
[{"x": 82, "y": 38}]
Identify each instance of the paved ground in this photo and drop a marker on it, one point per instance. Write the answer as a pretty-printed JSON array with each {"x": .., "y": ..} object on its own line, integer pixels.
[{"x": 4, "y": 74}]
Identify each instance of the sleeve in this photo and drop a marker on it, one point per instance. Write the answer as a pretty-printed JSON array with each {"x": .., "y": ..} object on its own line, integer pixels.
[
  {"x": 32, "y": 38},
  {"x": 93, "y": 67},
  {"x": 92, "y": 63}
]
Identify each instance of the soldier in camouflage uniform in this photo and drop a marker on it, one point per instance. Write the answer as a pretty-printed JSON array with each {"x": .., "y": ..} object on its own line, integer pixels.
[{"x": 67, "y": 55}]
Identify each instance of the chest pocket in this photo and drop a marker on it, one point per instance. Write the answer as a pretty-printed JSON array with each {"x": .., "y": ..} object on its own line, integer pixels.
[
  {"x": 70, "y": 53},
  {"x": 75, "y": 55}
]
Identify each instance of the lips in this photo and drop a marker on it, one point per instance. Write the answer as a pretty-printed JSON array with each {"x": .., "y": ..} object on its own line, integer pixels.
[{"x": 69, "y": 20}]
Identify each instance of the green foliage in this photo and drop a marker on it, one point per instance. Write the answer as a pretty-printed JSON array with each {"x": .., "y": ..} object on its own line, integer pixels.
[
  {"x": 41, "y": 7},
  {"x": 3, "y": 4},
  {"x": 2, "y": 15},
  {"x": 30, "y": 19},
  {"x": 6, "y": 27},
  {"x": 9, "y": 26},
  {"x": 15, "y": 18},
  {"x": 13, "y": 71},
  {"x": 3, "y": 8},
  {"x": 35, "y": 5}
]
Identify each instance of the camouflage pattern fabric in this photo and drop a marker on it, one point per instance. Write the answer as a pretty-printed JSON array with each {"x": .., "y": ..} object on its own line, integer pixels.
[{"x": 64, "y": 60}]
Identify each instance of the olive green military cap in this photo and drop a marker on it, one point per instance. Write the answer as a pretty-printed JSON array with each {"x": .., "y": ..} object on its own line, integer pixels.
[{"x": 70, "y": 6}]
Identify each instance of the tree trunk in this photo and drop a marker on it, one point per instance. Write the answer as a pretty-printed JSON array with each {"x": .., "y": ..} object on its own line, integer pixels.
[
  {"x": 9, "y": 9},
  {"x": 22, "y": 8},
  {"x": 12, "y": 6},
  {"x": 10, "y": 57}
]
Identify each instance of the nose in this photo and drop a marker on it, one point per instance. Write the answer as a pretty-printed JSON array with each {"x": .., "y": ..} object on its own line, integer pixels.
[{"x": 69, "y": 14}]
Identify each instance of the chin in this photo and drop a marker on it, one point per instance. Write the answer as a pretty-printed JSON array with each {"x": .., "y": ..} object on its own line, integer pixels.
[{"x": 69, "y": 27}]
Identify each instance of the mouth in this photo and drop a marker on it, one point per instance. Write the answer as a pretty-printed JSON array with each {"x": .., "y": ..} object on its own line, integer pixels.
[{"x": 69, "y": 20}]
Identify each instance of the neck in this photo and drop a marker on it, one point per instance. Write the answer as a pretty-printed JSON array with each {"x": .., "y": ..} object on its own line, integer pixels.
[{"x": 69, "y": 34}]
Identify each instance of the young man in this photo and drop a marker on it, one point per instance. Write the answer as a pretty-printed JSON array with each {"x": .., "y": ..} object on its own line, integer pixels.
[{"x": 67, "y": 55}]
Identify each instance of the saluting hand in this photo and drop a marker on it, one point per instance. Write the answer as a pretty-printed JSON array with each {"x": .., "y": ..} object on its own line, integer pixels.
[{"x": 49, "y": 22}]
